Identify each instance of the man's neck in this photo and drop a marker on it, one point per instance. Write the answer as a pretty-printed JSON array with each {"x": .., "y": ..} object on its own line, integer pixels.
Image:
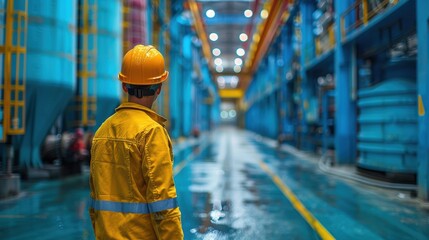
[{"x": 144, "y": 101}]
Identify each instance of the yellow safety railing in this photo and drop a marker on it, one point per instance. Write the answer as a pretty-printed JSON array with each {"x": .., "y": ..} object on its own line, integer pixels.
[
  {"x": 326, "y": 41},
  {"x": 361, "y": 12},
  {"x": 156, "y": 25},
  {"x": 126, "y": 26},
  {"x": 13, "y": 55},
  {"x": 87, "y": 60}
]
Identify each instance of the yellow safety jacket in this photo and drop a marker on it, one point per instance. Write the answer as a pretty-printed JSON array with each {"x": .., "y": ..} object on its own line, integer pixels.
[{"x": 133, "y": 195}]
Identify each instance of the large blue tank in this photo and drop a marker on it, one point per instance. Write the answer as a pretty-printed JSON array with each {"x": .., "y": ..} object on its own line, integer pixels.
[
  {"x": 387, "y": 139},
  {"x": 51, "y": 67},
  {"x": 99, "y": 60},
  {"x": 109, "y": 57}
]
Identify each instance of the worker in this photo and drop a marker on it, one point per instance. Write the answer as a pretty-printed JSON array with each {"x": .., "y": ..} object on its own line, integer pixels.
[{"x": 133, "y": 195}]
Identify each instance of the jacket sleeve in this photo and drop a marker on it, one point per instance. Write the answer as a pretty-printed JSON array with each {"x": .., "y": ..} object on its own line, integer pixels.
[{"x": 161, "y": 191}]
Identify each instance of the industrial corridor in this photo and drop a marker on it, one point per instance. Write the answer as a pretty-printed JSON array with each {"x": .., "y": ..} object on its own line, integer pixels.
[
  {"x": 214, "y": 119},
  {"x": 233, "y": 184}
]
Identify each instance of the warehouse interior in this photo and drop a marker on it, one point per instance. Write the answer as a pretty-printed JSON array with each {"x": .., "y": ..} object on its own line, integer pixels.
[{"x": 307, "y": 114}]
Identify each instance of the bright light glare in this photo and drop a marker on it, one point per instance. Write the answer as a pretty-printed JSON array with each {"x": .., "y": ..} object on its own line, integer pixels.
[
  {"x": 240, "y": 52},
  {"x": 216, "y": 52},
  {"x": 210, "y": 13},
  {"x": 232, "y": 113},
  {"x": 234, "y": 82},
  {"x": 238, "y": 61},
  {"x": 221, "y": 80},
  {"x": 264, "y": 14},
  {"x": 213, "y": 36},
  {"x": 243, "y": 37},
  {"x": 224, "y": 114},
  {"x": 248, "y": 13},
  {"x": 237, "y": 68},
  {"x": 219, "y": 69},
  {"x": 218, "y": 61}
]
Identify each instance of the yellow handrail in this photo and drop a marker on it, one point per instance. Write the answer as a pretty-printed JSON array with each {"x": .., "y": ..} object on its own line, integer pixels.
[
  {"x": 363, "y": 14},
  {"x": 320, "y": 41},
  {"x": 87, "y": 101},
  {"x": 12, "y": 102}
]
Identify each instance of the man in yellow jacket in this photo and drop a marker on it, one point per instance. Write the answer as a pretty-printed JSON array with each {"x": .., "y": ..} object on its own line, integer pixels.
[{"x": 133, "y": 195}]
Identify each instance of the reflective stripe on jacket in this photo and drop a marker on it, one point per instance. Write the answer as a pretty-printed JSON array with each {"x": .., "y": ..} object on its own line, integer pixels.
[{"x": 133, "y": 195}]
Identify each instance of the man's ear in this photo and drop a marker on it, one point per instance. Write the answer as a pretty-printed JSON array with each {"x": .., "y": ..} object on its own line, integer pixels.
[{"x": 124, "y": 87}]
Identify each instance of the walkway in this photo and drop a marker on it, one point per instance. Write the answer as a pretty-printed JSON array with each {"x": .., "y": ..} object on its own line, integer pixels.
[{"x": 233, "y": 185}]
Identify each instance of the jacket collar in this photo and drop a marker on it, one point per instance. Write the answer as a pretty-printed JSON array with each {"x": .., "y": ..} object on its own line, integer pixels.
[{"x": 152, "y": 114}]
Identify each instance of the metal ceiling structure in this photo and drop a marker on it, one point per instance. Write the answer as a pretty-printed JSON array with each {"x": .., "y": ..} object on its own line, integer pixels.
[
  {"x": 236, "y": 35},
  {"x": 228, "y": 27}
]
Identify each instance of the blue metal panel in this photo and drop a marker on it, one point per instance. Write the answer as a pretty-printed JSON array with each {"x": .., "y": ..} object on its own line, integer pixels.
[
  {"x": 186, "y": 94},
  {"x": 51, "y": 67},
  {"x": 149, "y": 11},
  {"x": 286, "y": 121},
  {"x": 423, "y": 93},
  {"x": 175, "y": 77},
  {"x": 109, "y": 52},
  {"x": 345, "y": 115},
  {"x": 327, "y": 121},
  {"x": 388, "y": 123},
  {"x": 175, "y": 81}
]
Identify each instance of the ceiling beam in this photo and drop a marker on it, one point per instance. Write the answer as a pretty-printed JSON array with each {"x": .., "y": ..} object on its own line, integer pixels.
[
  {"x": 230, "y": 93},
  {"x": 199, "y": 27},
  {"x": 266, "y": 31}
]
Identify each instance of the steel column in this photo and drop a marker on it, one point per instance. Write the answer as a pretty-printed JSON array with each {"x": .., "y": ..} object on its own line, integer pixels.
[
  {"x": 423, "y": 96},
  {"x": 345, "y": 114},
  {"x": 307, "y": 53}
]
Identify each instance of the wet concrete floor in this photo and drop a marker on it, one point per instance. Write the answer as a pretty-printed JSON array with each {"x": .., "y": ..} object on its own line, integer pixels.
[{"x": 231, "y": 185}]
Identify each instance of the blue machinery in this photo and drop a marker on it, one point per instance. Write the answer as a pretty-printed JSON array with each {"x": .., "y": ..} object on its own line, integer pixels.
[
  {"x": 334, "y": 82},
  {"x": 60, "y": 72}
]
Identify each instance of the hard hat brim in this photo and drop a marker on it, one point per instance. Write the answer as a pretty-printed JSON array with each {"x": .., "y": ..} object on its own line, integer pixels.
[{"x": 156, "y": 80}]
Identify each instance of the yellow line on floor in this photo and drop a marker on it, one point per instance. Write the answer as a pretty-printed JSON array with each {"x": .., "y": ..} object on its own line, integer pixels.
[
  {"x": 297, "y": 204},
  {"x": 190, "y": 157},
  {"x": 181, "y": 165}
]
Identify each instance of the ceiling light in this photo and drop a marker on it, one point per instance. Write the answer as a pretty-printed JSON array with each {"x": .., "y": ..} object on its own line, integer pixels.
[
  {"x": 220, "y": 80},
  {"x": 232, "y": 113},
  {"x": 240, "y": 52},
  {"x": 264, "y": 14},
  {"x": 238, "y": 61},
  {"x": 210, "y": 13},
  {"x": 237, "y": 68},
  {"x": 216, "y": 51},
  {"x": 218, "y": 61},
  {"x": 243, "y": 37},
  {"x": 219, "y": 69},
  {"x": 248, "y": 13},
  {"x": 213, "y": 36}
]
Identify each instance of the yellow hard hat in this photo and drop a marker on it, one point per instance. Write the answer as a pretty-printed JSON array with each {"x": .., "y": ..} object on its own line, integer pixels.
[{"x": 143, "y": 65}]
